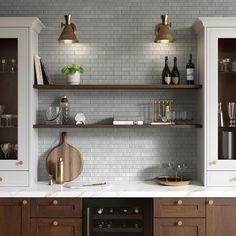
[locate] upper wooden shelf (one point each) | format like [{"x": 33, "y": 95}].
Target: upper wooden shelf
[
  {"x": 176, "y": 126},
  {"x": 119, "y": 86}
]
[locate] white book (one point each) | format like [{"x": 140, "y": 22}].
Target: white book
[
  {"x": 123, "y": 122},
  {"x": 38, "y": 70}
]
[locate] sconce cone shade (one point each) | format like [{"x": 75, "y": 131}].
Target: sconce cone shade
[
  {"x": 68, "y": 34},
  {"x": 163, "y": 34}
]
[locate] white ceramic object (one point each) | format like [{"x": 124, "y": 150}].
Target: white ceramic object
[
  {"x": 80, "y": 119},
  {"x": 73, "y": 78}
]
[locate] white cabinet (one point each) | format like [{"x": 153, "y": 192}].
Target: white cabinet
[
  {"x": 18, "y": 45},
  {"x": 217, "y": 72}
]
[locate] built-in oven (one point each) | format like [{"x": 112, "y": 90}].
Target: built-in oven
[{"x": 117, "y": 216}]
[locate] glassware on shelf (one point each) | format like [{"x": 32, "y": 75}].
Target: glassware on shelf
[
  {"x": 231, "y": 113},
  {"x": 8, "y": 119},
  {"x": 3, "y": 65},
  {"x": 13, "y": 65},
  {"x": 8, "y": 150},
  {"x": 220, "y": 115},
  {"x": 52, "y": 115},
  {"x": 161, "y": 112}
]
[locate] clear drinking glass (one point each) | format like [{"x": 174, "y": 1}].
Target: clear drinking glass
[
  {"x": 53, "y": 114},
  {"x": 231, "y": 113}
]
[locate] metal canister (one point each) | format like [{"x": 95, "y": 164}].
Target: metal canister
[{"x": 60, "y": 171}]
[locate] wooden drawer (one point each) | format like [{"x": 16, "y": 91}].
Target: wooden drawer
[
  {"x": 56, "y": 207},
  {"x": 179, "y": 207},
  {"x": 179, "y": 227},
  {"x": 221, "y": 178},
  {"x": 58, "y": 227},
  {"x": 14, "y": 178}
]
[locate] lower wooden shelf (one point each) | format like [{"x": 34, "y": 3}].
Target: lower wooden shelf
[{"x": 98, "y": 126}]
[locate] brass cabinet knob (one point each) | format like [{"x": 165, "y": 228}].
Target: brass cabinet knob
[
  {"x": 55, "y": 202},
  {"x": 233, "y": 179},
  {"x": 55, "y": 223},
  {"x": 24, "y": 202},
  {"x": 1, "y": 179},
  {"x": 180, "y": 223},
  {"x": 180, "y": 202},
  {"x": 19, "y": 163},
  {"x": 210, "y": 202},
  {"x": 213, "y": 163}
]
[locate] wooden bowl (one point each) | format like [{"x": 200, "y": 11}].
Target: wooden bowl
[{"x": 172, "y": 180}]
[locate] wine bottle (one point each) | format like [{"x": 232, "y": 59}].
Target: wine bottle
[
  {"x": 175, "y": 77},
  {"x": 166, "y": 75},
  {"x": 190, "y": 71}
]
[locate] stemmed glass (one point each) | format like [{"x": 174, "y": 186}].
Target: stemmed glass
[{"x": 232, "y": 113}]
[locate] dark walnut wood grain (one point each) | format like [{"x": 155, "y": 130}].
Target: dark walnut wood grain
[
  {"x": 56, "y": 227},
  {"x": 179, "y": 227},
  {"x": 179, "y": 207},
  {"x": 118, "y": 86},
  {"x": 14, "y": 217},
  {"x": 61, "y": 207},
  {"x": 221, "y": 216}
]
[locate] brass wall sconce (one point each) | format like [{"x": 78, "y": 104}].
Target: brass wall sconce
[
  {"x": 162, "y": 30},
  {"x": 68, "y": 34}
]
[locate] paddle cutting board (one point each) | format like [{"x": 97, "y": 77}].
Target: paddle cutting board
[{"x": 73, "y": 162}]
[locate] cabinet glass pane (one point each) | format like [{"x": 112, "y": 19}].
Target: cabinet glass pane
[
  {"x": 8, "y": 98},
  {"x": 227, "y": 98}
]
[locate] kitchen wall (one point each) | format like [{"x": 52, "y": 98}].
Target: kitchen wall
[{"x": 116, "y": 46}]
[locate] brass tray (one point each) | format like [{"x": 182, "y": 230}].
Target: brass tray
[{"x": 172, "y": 180}]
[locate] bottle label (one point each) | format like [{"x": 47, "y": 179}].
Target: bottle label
[
  {"x": 190, "y": 74},
  {"x": 167, "y": 79},
  {"x": 175, "y": 80}
]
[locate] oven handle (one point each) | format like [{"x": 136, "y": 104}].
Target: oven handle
[{"x": 88, "y": 221}]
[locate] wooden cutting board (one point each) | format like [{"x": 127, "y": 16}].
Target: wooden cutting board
[{"x": 73, "y": 162}]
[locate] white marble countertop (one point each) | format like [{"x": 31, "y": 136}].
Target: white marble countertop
[{"x": 147, "y": 189}]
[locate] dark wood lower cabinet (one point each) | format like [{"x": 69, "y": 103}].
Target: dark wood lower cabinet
[
  {"x": 56, "y": 227},
  {"x": 14, "y": 217},
  {"x": 179, "y": 227},
  {"x": 221, "y": 217}
]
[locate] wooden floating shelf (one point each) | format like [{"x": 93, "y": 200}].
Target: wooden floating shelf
[
  {"x": 118, "y": 86},
  {"x": 118, "y": 230},
  {"x": 118, "y": 216},
  {"x": 96, "y": 126}
]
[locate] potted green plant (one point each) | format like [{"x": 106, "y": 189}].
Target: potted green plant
[{"x": 73, "y": 73}]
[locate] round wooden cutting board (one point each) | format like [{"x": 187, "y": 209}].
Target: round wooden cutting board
[{"x": 73, "y": 162}]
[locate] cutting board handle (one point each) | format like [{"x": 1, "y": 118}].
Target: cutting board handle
[{"x": 63, "y": 137}]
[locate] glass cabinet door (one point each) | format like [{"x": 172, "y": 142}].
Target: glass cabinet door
[
  {"x": 221, "y": 105},
  {"x": 13, "y": 100}
]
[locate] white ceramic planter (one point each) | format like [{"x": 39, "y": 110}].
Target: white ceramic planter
[{"x": 73, "y": 78}]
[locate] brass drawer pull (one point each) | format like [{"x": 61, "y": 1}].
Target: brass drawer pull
[
  {"x": 55, "y": 223},
  {"x": 1, "y": 179},
  {"x": 233, "y": 179},
  {"x": 180, "y": 223},
  {"x": 210, "y": 202},
  {"x": 180, "y": 202},
  {"x": 19, "y": 163},
  {"x": 55, "y": 202},
  {"x": 213, "y": 163},
  {"x": 24, "y": 202}
]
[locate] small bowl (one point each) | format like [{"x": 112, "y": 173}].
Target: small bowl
[{"x": 2, "y": 108}]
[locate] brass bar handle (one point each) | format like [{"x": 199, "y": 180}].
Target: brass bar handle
[
  {"x": 88, "y": 221},
  {"x": 19, "y": 163},
  {"x": 55, "y": 223},
  {"x": 24, "y": 202},
  {"x": 55, "y": 202},
  {"x": 180, "y": 223},
  {"x": 210, "y": 202},
  {"x": 180, "y": 202}
]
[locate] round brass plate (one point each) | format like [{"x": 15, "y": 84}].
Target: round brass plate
[{"x": 172, "y": 180}]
